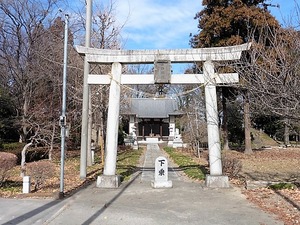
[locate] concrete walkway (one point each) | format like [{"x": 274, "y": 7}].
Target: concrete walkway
[{"x": 136, "y": 202}]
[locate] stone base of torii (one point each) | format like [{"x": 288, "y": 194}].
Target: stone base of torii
[{"x": 209, "y": 78}]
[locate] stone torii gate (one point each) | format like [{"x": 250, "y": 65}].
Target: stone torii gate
[{"x": 209, "y": 78}]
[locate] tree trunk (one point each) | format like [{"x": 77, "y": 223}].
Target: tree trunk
[
  {"x": 247, "y": 121},
  {"x": 23, "y": 170},
  {"x": 52, "y": 141},
  {"x": 101, "y": 140},
  {"x": 24, "y": 131},
  {"x": 225, "y": 120},
  {"x": 286, "y": 132}
]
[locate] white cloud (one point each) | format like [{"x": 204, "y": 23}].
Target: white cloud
[
  {"x": 153, "y": 24},
  {"x": 159, "y": 24}
]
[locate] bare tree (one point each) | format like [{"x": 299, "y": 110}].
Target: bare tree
[
  {"x": 105, "y": 35},
  {"x": 31, "y": 56},
  {"x": 192, "y": 124},
  {"x": 23, "y": 51},
  {"x": 271, "y": 75}
]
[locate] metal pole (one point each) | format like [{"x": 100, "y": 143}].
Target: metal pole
[
  {"x": 63, "y": 111},
  {"x": 85, "y": 97}
]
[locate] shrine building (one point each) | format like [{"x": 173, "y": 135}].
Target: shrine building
[{"x": 153, "y": 118}]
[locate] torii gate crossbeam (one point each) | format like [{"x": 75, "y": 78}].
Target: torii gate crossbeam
[
  {"x": 209, "y": 78},
  {"x": 229, "y": 53}
]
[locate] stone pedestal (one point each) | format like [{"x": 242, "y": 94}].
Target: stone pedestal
[
  {"x": 162, "y": 184},
  {"x": 217, "y": 181},
  {"x": 135, "y": 145},
  {"x": 177, "y": 142},
  {"x": 170, "y": 143},
  {"x": 152, "y": 140},
  {"x": 108, "y": 181}
]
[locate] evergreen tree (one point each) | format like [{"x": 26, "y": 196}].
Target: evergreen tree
[
  {"x": 232, "y": 22},
  {"x": 8, "y": 128}
]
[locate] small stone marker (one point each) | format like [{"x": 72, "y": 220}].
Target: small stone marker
[
  {"x": 26, "y": 184},
  {"x": 161, "y": 174}
]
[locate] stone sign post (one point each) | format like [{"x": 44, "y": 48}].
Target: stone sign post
[
  {"x": 161, "y": 174},
  {"x": 26, "y": 184}
]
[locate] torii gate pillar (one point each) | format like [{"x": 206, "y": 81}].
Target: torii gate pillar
[
  {"x": 109, "y": 178},
  {"x": 215, "y": 178}
]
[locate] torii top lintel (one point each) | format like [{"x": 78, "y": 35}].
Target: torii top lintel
[{"x": 94, "y": 55}]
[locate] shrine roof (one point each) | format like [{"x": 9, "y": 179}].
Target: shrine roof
[{"x": 153, "y": 107}]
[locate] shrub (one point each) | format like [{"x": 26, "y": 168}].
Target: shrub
[
  {"x": 7, "y": 162},
  {"x": 231, "y": 166},
  {"x": 14, "y": 146},
  {"x": 281, "y": 186},
  {"x": 40, "y": 171},
  {"x": 32, "y": 154}
]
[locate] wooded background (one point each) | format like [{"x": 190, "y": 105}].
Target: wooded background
[{"x": 31, "y": 68}]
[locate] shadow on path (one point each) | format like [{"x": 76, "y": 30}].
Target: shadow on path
[
  {"x": 32, "y": 213},
  {"x": 101, "y": 210},
  {"x": 49, "y": 205}
]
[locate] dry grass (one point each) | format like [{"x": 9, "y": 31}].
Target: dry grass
[
  {"x": 273, "y": 165},
  {"x": 51, "y": 186}
]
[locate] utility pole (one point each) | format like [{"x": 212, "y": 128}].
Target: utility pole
[
  {"x": 85, "y": 97},
  {"x": 62, "y": 119}
]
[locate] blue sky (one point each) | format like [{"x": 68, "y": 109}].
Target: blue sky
[
  {"x": 166, "y": 24},
  {"x": 288, "y": 12},
  {"x": 157, "y": 24}
]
